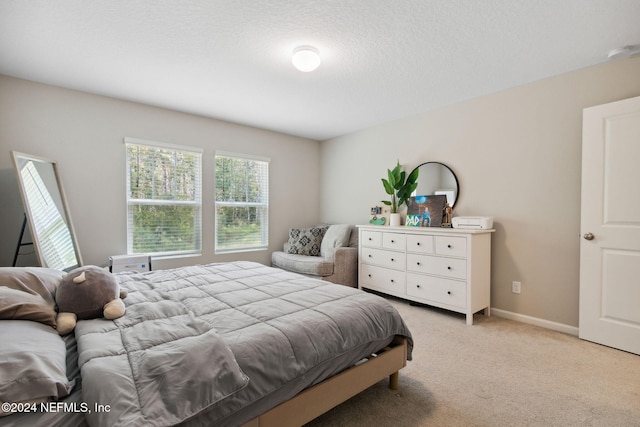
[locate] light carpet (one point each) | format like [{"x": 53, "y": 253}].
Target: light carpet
[{"x": 497, "y": 372}]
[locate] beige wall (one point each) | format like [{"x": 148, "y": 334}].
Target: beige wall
[
  {"x": 517, "y": 155},
  {"x": 84, "y": 133}
]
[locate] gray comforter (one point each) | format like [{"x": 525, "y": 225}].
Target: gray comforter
[{"x": 213, "y": 340}]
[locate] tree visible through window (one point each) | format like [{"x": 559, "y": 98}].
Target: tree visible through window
[
  {"x": 242, "y": 203},
  {"x": 164, "y": 201}
]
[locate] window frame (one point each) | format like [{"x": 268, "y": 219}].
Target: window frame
[
  {"x": 265, "y": 220},
  {"x": 197, "y": 250}
]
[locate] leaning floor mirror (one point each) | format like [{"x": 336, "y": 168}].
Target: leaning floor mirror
[{"x": 46, "y": 212}]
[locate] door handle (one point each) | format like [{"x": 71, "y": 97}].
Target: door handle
[{"x": 588, "y": 236}]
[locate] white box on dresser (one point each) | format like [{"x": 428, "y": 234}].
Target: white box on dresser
[{"x": 442, "y": 267}]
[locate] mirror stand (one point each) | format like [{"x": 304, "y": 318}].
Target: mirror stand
[{"x": 20, "y": 244}]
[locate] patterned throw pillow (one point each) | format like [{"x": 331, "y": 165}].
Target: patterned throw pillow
[{"x": 306, "y": 241}]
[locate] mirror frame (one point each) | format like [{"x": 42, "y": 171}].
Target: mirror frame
[
  {"x": 455, "y": 178},
  {"x": 18, "y": 160}
]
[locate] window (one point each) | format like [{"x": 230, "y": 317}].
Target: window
[
  {"x": 164, "y": 201},
  {"x": 242, "y": 203}
]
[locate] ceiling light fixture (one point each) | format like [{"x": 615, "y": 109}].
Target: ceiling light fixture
[
  {"x": 305, "y": 58},
  {"x": 624, "y": 52}
]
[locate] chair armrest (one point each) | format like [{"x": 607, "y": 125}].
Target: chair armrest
[{"x": 345, "y": 267}]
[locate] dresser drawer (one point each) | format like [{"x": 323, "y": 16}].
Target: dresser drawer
[
  {"x": 444, "y": 291},
  {"x": 420, "y": 243},
  {"x": 451, "y": 246},
  {"x": 383, "y": 279},
  {"x": 384, "y": 258},
  {"x": 394, "y": 241},
  {"x": 441, "y": 266},
  {"x": 372, "y": 238},
  {"x": 446, "y": 268}
]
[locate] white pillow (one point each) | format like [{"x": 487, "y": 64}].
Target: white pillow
[
  {"x": 337, "y": 236},
  {"x": 32, "y": 362}
]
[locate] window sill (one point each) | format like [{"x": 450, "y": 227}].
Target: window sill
[
  {"x": 238, "y": 250},
  {"x": 172, "y": 256}
]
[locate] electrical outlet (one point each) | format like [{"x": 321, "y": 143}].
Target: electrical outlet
[{"x": 516, "y": 287}]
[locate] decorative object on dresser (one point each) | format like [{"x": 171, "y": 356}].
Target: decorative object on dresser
[
  {"x": 447, "y": 216},
  {"x": 425, "y": 211},
  {"x": 399, "y": 189},
  {"x": 437, "y": 178},
  {"x": 379, "y": 215},
  {"x": 442, "y": 267},
  {"x": 474, "y": 222}
]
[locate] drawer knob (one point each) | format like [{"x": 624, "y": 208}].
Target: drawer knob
[
  {"x": 370, "y": 256},
  {"x": 417, "y": 286},
  {"x": 418, "y": 263},
  {"x": 369, "y": 275},
  {"x": 449, "y": 246},
  {"x": 449, "y": 268},
  {"x": 448, "y": 292},
  {"x": 370, "y": 239},
  {"x": 393, "y": 281},
  {"x": 392, "y": 260},
  {"x": 393, "y": 241},
  {"x": 418, "y": 243}
]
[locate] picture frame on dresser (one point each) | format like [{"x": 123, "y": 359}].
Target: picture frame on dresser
[
  {"x": 379, "y": 215},
  {"x": 441, "y": 267},
  {"x": 425, "y": 211}
]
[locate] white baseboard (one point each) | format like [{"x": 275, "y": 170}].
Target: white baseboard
[{"x": 560, "y": 327}]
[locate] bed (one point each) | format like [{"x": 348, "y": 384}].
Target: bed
[{"x": 225, "y": 344}]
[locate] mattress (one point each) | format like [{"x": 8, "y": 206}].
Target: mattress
[{"x": 218, "y": 345}]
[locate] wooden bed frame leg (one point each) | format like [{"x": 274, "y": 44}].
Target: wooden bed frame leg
[{"x": 393, "y": 380}]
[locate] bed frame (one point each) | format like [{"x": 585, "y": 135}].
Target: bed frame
[{"x": 316, "y": 400}]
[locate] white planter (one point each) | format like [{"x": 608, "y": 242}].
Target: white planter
[{"x": 394, "y": 220}]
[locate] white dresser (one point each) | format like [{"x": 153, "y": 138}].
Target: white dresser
[{"x": 444, "y": 267}]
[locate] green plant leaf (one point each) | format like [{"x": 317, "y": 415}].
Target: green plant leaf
[
  {"x": 397, "y": 176},
  {"x": 391, "y": 178},
  {"x": 401, "y": 182},
  {"x": 399, "y": 186},
  {"x": 387, "y": 186},
  {"x": 413, "y": 177}
]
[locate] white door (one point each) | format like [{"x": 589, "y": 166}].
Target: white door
[{"x": 610, "y": 225}]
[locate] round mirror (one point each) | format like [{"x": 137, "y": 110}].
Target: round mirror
[{"x": 437, "y": 178}]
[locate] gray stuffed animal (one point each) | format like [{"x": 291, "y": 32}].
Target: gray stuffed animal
[{"x": 87, "y": 292}]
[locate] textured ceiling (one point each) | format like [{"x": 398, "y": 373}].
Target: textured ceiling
[{"x": 381, "y": 59}]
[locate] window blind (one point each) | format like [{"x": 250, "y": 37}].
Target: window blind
[
  {"x": 164, "y": 198},
  {"x": 241, "y": 203}
]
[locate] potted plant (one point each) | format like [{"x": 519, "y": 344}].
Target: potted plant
[{"x": 399, "y": 189}]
